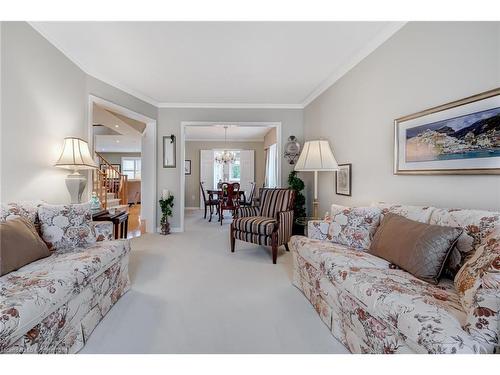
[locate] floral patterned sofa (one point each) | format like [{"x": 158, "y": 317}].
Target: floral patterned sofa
[
  {"x": 373, "y": 307},
  {"x": 52, "y": 305}
]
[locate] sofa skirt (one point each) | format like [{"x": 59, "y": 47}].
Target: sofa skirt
[{"x": 67, "y": 329}]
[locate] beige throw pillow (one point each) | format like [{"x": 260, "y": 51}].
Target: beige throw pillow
[
  {"x": 20, "y": 245},
  {"x": 419, "y": 248}
]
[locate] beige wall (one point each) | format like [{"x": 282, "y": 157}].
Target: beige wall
[
  {"x": 270, "y": 138},
  {"x": 421, "y": 66},
  {"x": 44, "y": 99},
  {"x": 192, "y": 185},
  {"x": 169, "y": 122}
]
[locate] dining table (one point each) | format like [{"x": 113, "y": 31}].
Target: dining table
[{"x": 220, "y": 194}]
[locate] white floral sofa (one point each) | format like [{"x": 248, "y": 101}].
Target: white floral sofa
[
  {"x": 52, "y": 305},
  {"x": 373, "y": 307}
]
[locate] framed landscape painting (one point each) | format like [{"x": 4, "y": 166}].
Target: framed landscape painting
[{"x": 462, "y": 137}]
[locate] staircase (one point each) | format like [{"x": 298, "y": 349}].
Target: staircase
[{"x": 110, "y": 185}]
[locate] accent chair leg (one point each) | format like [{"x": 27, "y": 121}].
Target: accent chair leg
[
  {"x": 286, "y": 246},
  {"x": 274, "y": 246},
  {"x": 233, "y": 240}
]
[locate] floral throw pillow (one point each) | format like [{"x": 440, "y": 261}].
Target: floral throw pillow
[
  {"x": 353, "y": 226},
  {"x": 25, "y": 209},
  {"x": 66, "y": 226}
]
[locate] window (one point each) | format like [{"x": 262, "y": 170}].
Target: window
[
  {"x": 132, "y": 168},
  {"x": 234, "y": 171},
  {"x": 272, "y": 166},
  {"x": 227, "y": 172}
]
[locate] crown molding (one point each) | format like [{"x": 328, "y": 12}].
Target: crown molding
[
  {"x": 89, "y": 72},
  {"x": 378, "y": 40},
  {"x": 231, "y": 105},
  {"x": 229, "y": 140}
]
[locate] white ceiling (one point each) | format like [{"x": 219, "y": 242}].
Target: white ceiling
[
  {"x": 117, "y": 143},
  {"x": 234, "y": 133},
  {"x": 261, "y": 64}
]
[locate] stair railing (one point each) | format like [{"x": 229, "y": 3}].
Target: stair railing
[{"x": 107, "y": 179}]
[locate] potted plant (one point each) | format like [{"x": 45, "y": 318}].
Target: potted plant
[
  {"x": 299, "y": 209},
  {"x": 166, "y": 205}
]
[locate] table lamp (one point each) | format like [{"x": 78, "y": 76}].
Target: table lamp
[
  {"x": 76, "y": 156},
  {"x": 316, "y": 156}
]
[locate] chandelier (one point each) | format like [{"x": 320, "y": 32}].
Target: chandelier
[{"x": 227, "y": 156}]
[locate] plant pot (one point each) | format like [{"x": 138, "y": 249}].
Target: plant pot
[{"x": 165, "y": 228}]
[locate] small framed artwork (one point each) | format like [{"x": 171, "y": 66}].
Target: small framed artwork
[
  {"x": 461, "y": 137},
  {"x": 169, "y": 151},
  {"x": 187, "y": 167},
  {"x": 343, "y": 180}
]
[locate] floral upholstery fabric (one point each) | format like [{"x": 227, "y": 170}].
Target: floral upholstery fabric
[
  {"x": 36, "y": 299},
  {"x": 103, "y": 230},
  {"x": 477, "y": 225},
  {"x": 66, "y": 226},
  {"x": 416, "y": 213},
  {"x": 27, "y": 210},
  {"x": 353, "y": 227},
  {"x": 256, "y": 224},
  {"x": 371, "y": 308},
  {"x": 317, "y": 229},
  {"x": 478, "y": 285}
]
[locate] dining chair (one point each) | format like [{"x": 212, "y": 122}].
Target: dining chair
[
  {"x": 248, "y": 202},
  {"x": 270, "y": 224},
  {"x": 230, "y": 199},
  {"x": 210, "y": 203}
]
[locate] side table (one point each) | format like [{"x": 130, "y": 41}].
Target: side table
[{"x": 119, "y": 220}]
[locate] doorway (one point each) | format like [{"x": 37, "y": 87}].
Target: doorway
[
  {"x": 202, "y": 142},
  {"x": 126, "y": 140}
]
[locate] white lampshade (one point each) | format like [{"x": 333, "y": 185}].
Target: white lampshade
[
  {"x": 316, "y": 156},
  {"x": 75, "y": 155}
]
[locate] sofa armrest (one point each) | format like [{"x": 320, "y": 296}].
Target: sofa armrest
[
  {"x": 246, "y": 211},
  {"x": 317, "y": 229},
  {"x": 103, "y": 230},
  {"x": 285, "y": 226}
]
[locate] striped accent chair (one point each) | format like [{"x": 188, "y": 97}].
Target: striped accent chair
[{"x": 270, "y": 224}]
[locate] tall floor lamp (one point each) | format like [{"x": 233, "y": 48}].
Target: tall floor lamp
[
  {"x": 75, "y": 156},
  {"x": 316, "y": 156}
]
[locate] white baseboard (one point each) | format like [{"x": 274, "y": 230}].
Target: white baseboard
[
  {"x": 193, "y": 208},
  {"x": 172, "y": 230}
]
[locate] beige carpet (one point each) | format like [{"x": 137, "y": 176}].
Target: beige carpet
[{"x": 191, "y": 295}]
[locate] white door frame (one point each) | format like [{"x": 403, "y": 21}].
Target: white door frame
[
  {"x": 149, "y": 167},
  {"x": 184, "y": 124}
]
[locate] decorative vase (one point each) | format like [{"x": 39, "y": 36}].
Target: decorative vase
[{"x": 165, "y": 227}]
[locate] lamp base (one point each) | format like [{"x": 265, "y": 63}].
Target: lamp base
[
  {"x": 76, "y": 183},
  {"x": 315, "y": 208}
]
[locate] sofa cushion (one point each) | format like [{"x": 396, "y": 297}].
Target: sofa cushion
[
  {"x": 66, "y": 226},
  {"x": 353, "y": 226},
  {"x": 417, "y": 213},
  {"x": 255, "y": 224},
  {"x": 25, "y": 209},
  {"x": 31, "y": 293},
  {"x": 419, "y": 248},
  {"x": 429, "y": 316},
  {"x": 477, "y": 226},
  {"x": 20, "y": 244},
  {"x": 332, "y": 255}
]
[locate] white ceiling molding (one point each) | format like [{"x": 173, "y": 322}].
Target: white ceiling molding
[
  {"x": 376, "y": 42},
  {"x": 229, "y": 140},
  {"x": 230, "y": 105},
  {"x": 86, "y": 70}
]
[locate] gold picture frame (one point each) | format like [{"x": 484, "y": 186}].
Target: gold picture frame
[{"x": 484, "y": 99}]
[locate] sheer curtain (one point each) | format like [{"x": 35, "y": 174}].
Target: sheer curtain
[{"x": 272, "y": 166}]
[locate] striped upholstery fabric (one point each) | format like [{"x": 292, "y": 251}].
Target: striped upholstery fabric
[
  {"x": 285, "y": 227},
  {"x": 273, "y": 201},
  {"x": 246, "y": 211},
  {"x": 258, "y": 239},
  {"x": 255, "y": 224}
]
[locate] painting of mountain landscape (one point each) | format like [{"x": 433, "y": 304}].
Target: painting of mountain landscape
[{"x": 475, "y": 135}]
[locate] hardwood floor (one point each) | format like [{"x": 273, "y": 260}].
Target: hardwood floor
[{"x": 136, "y": 227}]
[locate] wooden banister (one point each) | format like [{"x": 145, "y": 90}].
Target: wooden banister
[{"x": 109, "y": 180}]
